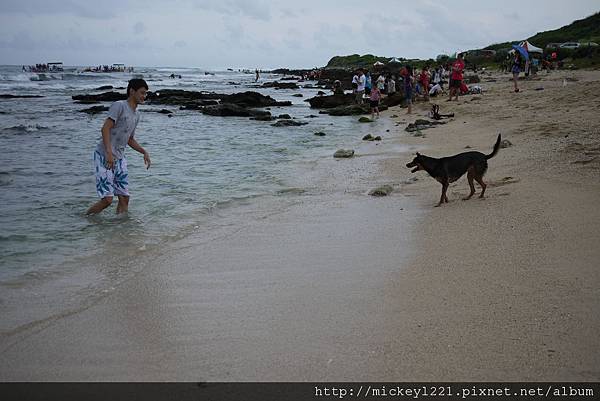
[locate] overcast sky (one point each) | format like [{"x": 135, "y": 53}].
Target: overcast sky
[{"x": 262, "y": 33}]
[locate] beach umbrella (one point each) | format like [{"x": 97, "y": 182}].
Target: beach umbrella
[
  {"x": 521, "y": 50},
  {"x": 377, "y": 63}
]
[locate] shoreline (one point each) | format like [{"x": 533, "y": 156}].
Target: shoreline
[{"x": 343, "y": 286}]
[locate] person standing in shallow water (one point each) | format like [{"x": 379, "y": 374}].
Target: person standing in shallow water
[{"x": 109, "y": 156}]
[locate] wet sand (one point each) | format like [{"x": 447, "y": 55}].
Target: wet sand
[{"x": 343, "y": 286}]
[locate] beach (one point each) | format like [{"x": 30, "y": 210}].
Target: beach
[{"x": 336, "y": 285}]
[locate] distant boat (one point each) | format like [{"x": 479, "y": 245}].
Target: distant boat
[
  {"x": 116, "y": 67},
  {"x": 45, "y": 68}
]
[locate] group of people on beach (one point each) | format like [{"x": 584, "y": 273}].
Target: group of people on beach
[{"x": 425, "y": 83}]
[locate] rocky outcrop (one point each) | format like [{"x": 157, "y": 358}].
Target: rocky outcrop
[
  {"x": 421, "y": 124},
  {"x": 190, "y": 99},
  {"x": 288, "y": 123},
  {"x": 102, "y": 97},
  {"x": 280, "y": 85},
  {"x": 351, "y": 110},
  {"x": 329, "y": 102},
  {"x": 232, "y": 110},
  {"x": 19, "y": 96},
  {"x": 252, "y": 99}
]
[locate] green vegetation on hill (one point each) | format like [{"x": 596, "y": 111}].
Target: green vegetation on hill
[
  {"x": 583, "y": 30},
  {"x": 355, "y": 61}
]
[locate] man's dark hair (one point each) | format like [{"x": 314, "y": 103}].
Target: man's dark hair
[{"x": 135, "y": 84}]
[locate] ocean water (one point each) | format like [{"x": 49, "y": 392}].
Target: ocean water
[{"x": 205, "y": 169}]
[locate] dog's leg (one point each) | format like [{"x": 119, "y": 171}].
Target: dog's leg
[
  {"x": 483, "y": 185},
  {"x": 470, "y": 176},
  {"x": 443, "y": 198}
]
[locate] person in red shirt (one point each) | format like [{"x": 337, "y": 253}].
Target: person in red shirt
[
  {"x": 457, "y": 76},
  {"x": 424, "y": 79}
]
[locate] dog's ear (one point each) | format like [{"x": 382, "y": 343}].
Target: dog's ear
[{"x": 418, "y": 154}]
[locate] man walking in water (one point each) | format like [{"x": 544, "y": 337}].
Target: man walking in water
[{"x": 109, "y": 156}]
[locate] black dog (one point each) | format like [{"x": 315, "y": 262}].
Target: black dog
[{"x": 450, "y": 169}]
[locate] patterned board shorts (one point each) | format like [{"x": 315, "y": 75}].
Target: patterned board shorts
[{"x": 111, "y": 182}]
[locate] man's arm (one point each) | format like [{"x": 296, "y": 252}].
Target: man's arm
[
  {"x": 136, "y": 146},
  {"x": 108, "y": 125}
]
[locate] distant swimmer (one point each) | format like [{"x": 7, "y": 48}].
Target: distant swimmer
[
  {"x": 109, "y": 156},
  {"x": 257, "y": 76}
]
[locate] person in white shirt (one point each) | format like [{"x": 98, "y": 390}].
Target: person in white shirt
[{"x": 360, "y": 89}]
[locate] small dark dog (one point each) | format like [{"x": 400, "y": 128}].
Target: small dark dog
[{"x": 450, "y": 169}]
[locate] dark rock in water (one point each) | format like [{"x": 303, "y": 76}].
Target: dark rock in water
[
  {"x": 165, "y": 111},
  {"x": 505, "y": 143},
  {"x": 280, "y": 85},
  {"x": 284, "y": 117},
  {"x": 19, "y": 96},
  {"x": 329, "y": 102},
  {"x": 232, "y": 110},
  {"x": 311, "y": 116},
  {"x": 370, "y": 137},
  {"x": 365, "y": 120},
  {"x": 352, "y": 110},
  {"x": 320, "y": 93},
  {"x": 252, "y": 99},
  {"x": 95, "y": 110},
  {"x": 104, "y": 88},
  {"x": 319, "y": 133},
  {"x": 182, "y": 97},
  {"x": 288, "y": 123},
  {"x": 384, "y": 190},
  {"x": 263, "y": 118},
  {"x": 298, "y": 95},
  {"x": 87, "y": 101},
  {"x": 343, "y": 153},
  {"x": 102, "y": 97}
]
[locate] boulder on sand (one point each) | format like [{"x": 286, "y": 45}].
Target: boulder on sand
[
  {"x": 343, "y": 153},
  {"x": 329, "y": 102}
]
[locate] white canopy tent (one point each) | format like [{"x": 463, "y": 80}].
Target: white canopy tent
[{"x": 530, "y": 48}]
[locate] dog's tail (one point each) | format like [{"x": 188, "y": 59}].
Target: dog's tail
[{"x": 496, "y": 147}]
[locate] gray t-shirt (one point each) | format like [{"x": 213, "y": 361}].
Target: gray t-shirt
[{"x": 126, "y": 120}]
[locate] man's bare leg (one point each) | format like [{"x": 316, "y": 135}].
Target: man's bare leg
[
  {"x": 123, "y": 205},
  {"x": 100, "y": 205}
]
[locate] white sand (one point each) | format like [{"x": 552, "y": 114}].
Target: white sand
[{"x": 505, "y": 288}]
